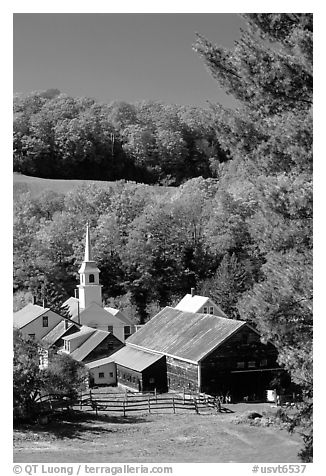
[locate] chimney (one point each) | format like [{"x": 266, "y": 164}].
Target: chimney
[
  {"x": 44, "y": 302},
  {"x": 78, "y": 313},
  {"x": 192, "y": 290},
  {"x": 33, "y": 299}
]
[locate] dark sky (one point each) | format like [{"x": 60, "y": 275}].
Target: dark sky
[{"x": 112, "y": 56}]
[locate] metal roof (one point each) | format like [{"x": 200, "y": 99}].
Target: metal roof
[
  {"x": 99, "y": 362},
  {"x": 136, "y": 359},
  {"x": 187, "y": 335},
  {"x": 90, "y": 344},
  {"x": 28, "y": 314}
]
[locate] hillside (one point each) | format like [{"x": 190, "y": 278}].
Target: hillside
[{"x": 37, "y": 185}]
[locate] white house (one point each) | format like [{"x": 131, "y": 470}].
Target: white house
[
  {"x": 103, "y": 372},
  {"x": 87, "y": 308},
  {"x": 36, "y": 321},
  {"x": 199, "y": 304}
]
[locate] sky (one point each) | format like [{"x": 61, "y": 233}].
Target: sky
[{"x": 120, "y": 56}]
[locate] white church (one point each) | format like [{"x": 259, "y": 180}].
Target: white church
[{"x": 86, "y": 308}]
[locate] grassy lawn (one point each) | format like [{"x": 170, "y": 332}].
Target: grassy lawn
[{"x": 155, "y": 438}]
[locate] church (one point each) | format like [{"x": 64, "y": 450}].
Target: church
[{"x": 86, "y": 307}]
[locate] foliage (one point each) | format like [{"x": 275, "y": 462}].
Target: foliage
[
  {"x": 63, "y": 376},
  {"x": 269, "y": 138}
]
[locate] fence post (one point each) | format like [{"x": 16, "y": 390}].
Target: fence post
[
  {"x": 196, "y": 406},
  {"x": 149, "y": 404},
  {"x": 155, "y": 393},
  {"x": 173, "y": 404},
  {"x": 184, "y": 395},
  {"x": 96, "y": 409},
  {"x": 124, "y": 408}
]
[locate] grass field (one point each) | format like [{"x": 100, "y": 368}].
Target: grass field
[
  {"x": 155, "y": 438},
  {"x": 38, "y": 185}
]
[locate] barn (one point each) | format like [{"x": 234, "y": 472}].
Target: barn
[
  {"x": 207, "y": 353},
  {"x": 140, "y": 369}
]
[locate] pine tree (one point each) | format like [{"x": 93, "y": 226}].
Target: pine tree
[{"x": 269, "y": 138}]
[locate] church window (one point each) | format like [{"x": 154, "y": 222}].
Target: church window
[
  {"x": 91, "y": 278},
  {"x": 45, "y": 321}
]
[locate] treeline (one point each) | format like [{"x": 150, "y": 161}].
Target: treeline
[{"x": 57, "y": 136}]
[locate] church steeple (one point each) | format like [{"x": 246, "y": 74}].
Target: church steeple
[
  {"x": 88, "y": 245},
  {"x": 90, "y": 289}
]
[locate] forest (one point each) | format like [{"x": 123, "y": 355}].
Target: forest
[{"x": 217, "y": 199}]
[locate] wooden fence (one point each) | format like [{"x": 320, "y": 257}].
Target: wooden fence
[{"x": 126, "y": 403}]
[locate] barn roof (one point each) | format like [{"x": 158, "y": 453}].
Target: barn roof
[
  {"x": 89, "y": 345},
  {"x": 136, "y": 359},
  {"x": 187, "y": 335},
  {"x": 28, "y": 314}
]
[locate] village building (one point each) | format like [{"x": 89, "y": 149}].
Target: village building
[
  {"x": 89, "y": 344},
  {"x": 35, "y": 321},
  {"x": 200, "y": 304},
  {"x": 87, "y": 308},
  {"x": 200, "y": 353},
  {"x": 102, "y": 372}
]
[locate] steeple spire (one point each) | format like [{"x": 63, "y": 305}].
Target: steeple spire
[
  {"x": 90, "y": 289},
  {"x": 88, "y": 255}
]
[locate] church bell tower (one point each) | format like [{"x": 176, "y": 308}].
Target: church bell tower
[{"x": 90, "y": 290}]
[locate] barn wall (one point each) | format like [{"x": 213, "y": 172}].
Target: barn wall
[
  {"x": 181, "y": 374},
  {"x": 151, "y": 378},
  {"x": 104, "y": 374},
  {"x": 239, "y": 366}
]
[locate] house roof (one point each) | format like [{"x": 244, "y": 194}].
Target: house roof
[
  {"x": 99, "y": 362},
  {"x": 57, "y": 332},
  {"x": 84, "y": 330},
  {"x": 191, "y": 303},
  {"x": 90, "y": 344},
  {"x": 187, "y": 335},
  {"x": 136, "y": 359},
  {"x": 28, "y": 314}
]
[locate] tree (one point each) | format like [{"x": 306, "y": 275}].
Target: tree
[
  {"x": 269, "y": 138},
  {"x": 227, "y": 285},
  {"x": 64, "y": 376}
]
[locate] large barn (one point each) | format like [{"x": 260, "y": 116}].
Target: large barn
[{"x": 202, "y": 352}]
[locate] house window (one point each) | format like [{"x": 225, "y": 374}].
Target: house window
[
  {"x": 245, "y": 338},
  {"x": 211, "y": 310},
  {"x": 240, "y": 365},
  {"x": 263, "y": 363},
  {"x": 31, "y": 336},
  {"x": 127, "y": 330},
  {"x": 111, "y": 374},
  {"x": 91, "y": 278},
  {"x": 205, "y": 310},
  {"x": 110, "y": 329},
  {"x": 67, "y": 346},
  {"x": 152, "y": 380},
  {"x": 45, "y": 321},
  {"x": 101, "y": 375},
  {"x": 251, "y": 364}
]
